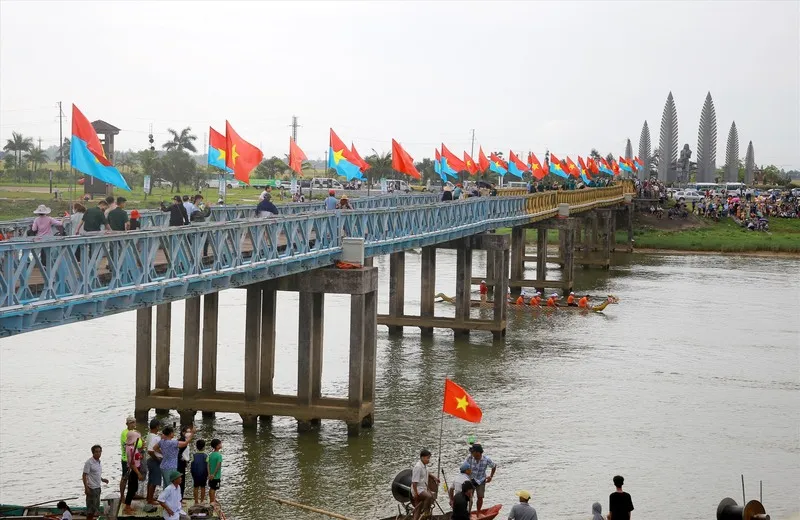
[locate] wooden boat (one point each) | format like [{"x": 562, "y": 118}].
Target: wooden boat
[
  {"x": 484, "y": 514},
  {"x": 9, "y": 512},
  {"x": 114, "y": 511},
  {"x": 610, "y": 300}
]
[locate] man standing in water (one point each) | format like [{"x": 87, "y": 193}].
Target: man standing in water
[
  {"x": 620, "y": 504},
  {"x": 478, "y": 464},
  {"x": 93, "y": 482}
]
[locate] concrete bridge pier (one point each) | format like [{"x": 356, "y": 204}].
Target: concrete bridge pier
[
  {"x": 497, "y": 247},
  {"x": 397, "y": 286},
  {"x": 258, "y": 400},
  {"x": 566, "y": 227}
]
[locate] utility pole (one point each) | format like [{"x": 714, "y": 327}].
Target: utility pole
[
  {"x": 472, "y": 150},
  {"x": 294, "y": 128},
  {"x": 60, "y": 137}
]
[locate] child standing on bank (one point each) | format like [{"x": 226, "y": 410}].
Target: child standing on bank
[
  {"x": 199, "y": 471},
  {"x": 214, "y": 470}
]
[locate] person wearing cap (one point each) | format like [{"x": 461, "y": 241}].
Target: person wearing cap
[
  {"x": 177, "y": 212},
  {"x": 522, "y": 510},
  {"x": 134, "y": 223},
  {"x": 266, "y": 208},
  {"x": 463, "y": 476},
  {"x": 457, "y": 192},
  {"x": 571, "y": 300},
  {"x": 478, "y": 463},
  {"x": 330, "y": 200},
  {"x": 462, "y": 501},
  {"x": 130, "y": 425},
  {"x": 170, "y": 498},
  {"x": 552, "y": 301},
  {"x": 536, "y": 300},
  {"x": 484, "y": 290}
]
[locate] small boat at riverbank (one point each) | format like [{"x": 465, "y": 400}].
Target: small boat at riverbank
[
  {"x": 113, "y": 510},
  {"x": 610, "y": 300}
]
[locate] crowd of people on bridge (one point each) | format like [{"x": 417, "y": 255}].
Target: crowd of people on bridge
[{"x": 154, "y": 470}]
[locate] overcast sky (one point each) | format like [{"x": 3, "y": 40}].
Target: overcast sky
[{"x": 567, "y": 76}]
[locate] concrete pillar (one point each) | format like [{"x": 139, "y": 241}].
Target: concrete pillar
[
  {"x": 608, "y": 217},
  {"x": 370, "y": 350},
  {"x": 594, "y": 239},
  {"x": 144, "y": 345},
  {"x": 191, "y": 346},
  {"x": 317, "y": 344},
  {"x": 463, "y": 282},
  {"x": 428, "y": 286},
  {"x": 541, "y": 256},
  {"x": 568, "y": 274},
  {"x": 210, "y": 340},
  {"x": 613, "y": 230},
  {"x": 269, "y": 302},
  {"x": 491, "y": 270},
  {"x": 518, "y": 257},
  {"x": 355, "y": 392},
  {"x": 501, "y": 288},
  {"x": 252, "y": 343},
  {"x": 561, "y": 246},
  {"x": 369, "y": 262},
  {"x": 397, "y": 284},
  {"x": 305, "y": 350},
  {"x": 163, "y": 334}
]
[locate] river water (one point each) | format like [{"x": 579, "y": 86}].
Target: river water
[{"x": 691, "y": 381}]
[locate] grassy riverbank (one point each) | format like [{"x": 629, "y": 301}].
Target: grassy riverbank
[{"x": 698, "y": 234}]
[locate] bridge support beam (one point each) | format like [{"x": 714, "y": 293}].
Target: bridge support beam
[
  {"x": 163, "y": 339},
  {"x": 397, "y": 285},
  {"x": 210, "y": 340},
  {"x": 517, "y": 256},
  {"x": 258, "y": 400},
  {"x": 567, "y": 228},
  {"x": 497, "y": 247}
]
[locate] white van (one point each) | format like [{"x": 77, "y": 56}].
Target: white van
[
  {"x": 517, "y": 184},
  {"x": 397, "y": 185},
  {"x": 735, "y": 188},
  {"x": 326, "y": 182}
]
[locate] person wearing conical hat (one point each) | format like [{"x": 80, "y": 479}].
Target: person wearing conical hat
[{"x": 43, "y": 223}]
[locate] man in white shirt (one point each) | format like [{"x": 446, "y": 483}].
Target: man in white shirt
[
  {"x": 190, "y": 207},
  {"x": 153, "y": 461},
  {"x": 423, "y": 497},
  {"x": 92, "y": 482},
  {"x": 458, "y": 481},
  {"x": 264, "y": 193},
  {"x": 170, "y": 497}
]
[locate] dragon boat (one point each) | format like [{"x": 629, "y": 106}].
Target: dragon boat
[{"x": 609, "y": 300}]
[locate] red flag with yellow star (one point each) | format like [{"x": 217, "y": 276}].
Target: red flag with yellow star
[
  {"x": 471, "y": 167},
  {"x": 296, "y": 157},
  {"x": 458, "y": 403},
  {"x": 240, "y": 156}
]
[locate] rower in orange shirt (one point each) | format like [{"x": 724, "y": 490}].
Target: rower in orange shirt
[
  {"x": 571, "y": 300},
  {"x": 583, "y": 303},
  {"x": 520, "y": 300},
  {"x": 536, "y": 300},
  {"x": 551, "y": 301}
]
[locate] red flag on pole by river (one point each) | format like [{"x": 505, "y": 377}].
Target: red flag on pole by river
[{"x": 458, "y": 403}]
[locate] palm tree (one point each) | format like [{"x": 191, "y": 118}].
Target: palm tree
[
  {"x": 18, "y": 144},
  {"x": 36, "y": 157},
  {"x": 126, "y": 159},
  {"x": 381, "y": 165},
  {"x": 181, "y": 141},
  {"x": 595, "y": 155}
]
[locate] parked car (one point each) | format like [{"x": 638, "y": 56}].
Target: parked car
[{"x": 687, "y": 195}]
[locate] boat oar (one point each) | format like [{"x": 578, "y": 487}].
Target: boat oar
[
  {"x": 283, "y": 501},
  {"x": 5, "y": 508}
]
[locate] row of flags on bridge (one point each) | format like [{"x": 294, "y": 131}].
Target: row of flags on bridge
[{"x": 232, "y": 153}]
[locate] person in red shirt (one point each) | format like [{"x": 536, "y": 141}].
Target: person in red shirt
[
  {"x": 552, "y": 300},
  {"x": 536, "y": 300},
  {"x": 583, "y": 303},
  {"x": 571, "y": 300},
  {"x": 484, "y": 291},
  {"x": 520, "y": 300}
]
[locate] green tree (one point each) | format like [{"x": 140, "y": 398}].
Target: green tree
[
  {"x": 595, "y": 155},
  {"x": 36, "y": 157},
  {"x": 63, "y": 151},
  {"x": 18, "y": 144},
  {"x": 771, "y": 176},
  {"x": 426, "y": 170},
  {"x": 125, "y": 160},
  {"x": 270, "y": 168},
  {"x": 181, "y": 141},
  {"x": 178, "y": 168},
  {"x": 381, "y": 166}
]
